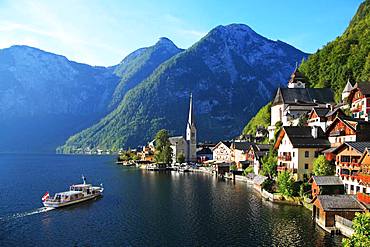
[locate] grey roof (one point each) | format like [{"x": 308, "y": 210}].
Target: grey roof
[
  {"x": 359, "y": 146},
  {"x": 301, "y": 136},
  {"x": 364, "y": 87},
  {"x": 242, "y": 145},
  {"x": 321, "y": 111},
  {"x": 327, "y": 180},
  {"x": 227, "y": 143},
  {"x": 174, "y": 139},
  {"x": 307, "y": 95},
  {"x": 334, "y": 111},
  {"x": 339, "y": 203},
  {"x": 201, "y": 151},
  {"x": 262, "y": 147}
]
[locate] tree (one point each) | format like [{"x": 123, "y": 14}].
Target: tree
[
  {"x": 181, "y": 158},
  {"x": 248, "y": 170},
  {"x": 285, "y": 183},
  {"x": 163, "y": 150},
  {"x": 233, "y": 168},
  {"x": 269, "y": 164},
  {"x": 361, "y": 236},
  {"x": 322, "y": 167}
]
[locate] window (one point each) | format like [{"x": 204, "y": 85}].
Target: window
[
  {"x": 293, "y": 154},
  {"x": 352, "y": 187},
  {"x": 357, "y": 188},
  {"x": 306, "y": 154},
  {"x": 306, "y": 166},
  {"x": 316, "y": 154}
]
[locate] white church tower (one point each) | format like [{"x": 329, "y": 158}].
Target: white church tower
[{"x": 191, "y": 135}]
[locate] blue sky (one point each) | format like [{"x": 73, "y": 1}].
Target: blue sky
[{"x": 102, "y": 32}]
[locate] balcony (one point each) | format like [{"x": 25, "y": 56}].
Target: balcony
[
  {"x": 285, "y": 157},
  {"x": 349, "y": 177},
  {"x": 350, "y": 165},
  {"x": 337, "y": 133},
  {"x": 362, "y": 197},
  {"x": 364, "y": 178}
]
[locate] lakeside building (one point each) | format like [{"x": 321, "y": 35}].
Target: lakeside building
[
  {"x": 326, "y": 185},
  {"x": 222, "y": 151},
  {"x": 327, "y": 207},
  {"x": 255, "y": 154},
  {"x": 323, "y": 117},
  {"x": 179, "y": 147},
  {"x": 297, "y": 148},
  {"x": 292, "y": 103},
  {"x": 239, "y": 150},
  {"x": 348, "y": 165},
  {"x": 359, "y": 100}
]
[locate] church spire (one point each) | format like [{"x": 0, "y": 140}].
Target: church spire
[{"x": 191, "y": 116}]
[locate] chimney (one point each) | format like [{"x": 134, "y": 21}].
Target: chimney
[
  {"x": 315, "y": 132},
  {"x": 314, "y": 100}
]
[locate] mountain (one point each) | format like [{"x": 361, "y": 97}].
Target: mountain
[
  {"x": 44, "y": 98},
  {"x": 231, "y": 72},
  {"x": 140, "y": 64},
  {"x": 347, "y": 57}
]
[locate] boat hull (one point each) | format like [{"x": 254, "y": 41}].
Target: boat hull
[{"x": 52, "y": 204}]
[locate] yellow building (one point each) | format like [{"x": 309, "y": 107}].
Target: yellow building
[{"x": 297, "y": 148}]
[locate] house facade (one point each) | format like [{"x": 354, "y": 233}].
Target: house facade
[
  {"x": 179, "y": 147},
  {"x": 222, "y": 152},
  {"x": 255, "y": 154},
  {"x": 239, "y": 150},
  {"x": 297, "y": 148},
  {"x": 359, "y": 98}
]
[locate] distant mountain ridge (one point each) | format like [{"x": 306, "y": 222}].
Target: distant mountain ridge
[
  {"x": 140, "y": 64},
  {"x": 231, "y": 72}
]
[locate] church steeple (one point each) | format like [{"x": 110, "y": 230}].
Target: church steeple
[{"x": 191, "y": 134}]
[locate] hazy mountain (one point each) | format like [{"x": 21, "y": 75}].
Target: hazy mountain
[
  {"x": 44, "y": 98},
  {"x": 232, "y": 72}
]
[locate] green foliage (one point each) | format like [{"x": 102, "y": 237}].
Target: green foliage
[
  {"x": 347, "y": 57},
  {"x": 163, "y": 150},
  {"x": 180, "y": 158},
  {"x": 127, "y": 156},
  {"x": 262, "y": 118},
  {"x": 285, "y": 183},
  {"x": 248, "y": 170},
  {"x": 269, "y": 164},
  {"x": 302, "y": 120},
  {"x": 361, "y": 236},
  {"x": 322, "y": 167},
  {"x": 268, "y": 185},
  {"x": 233, "y": 168},
  {"x": 304, "y": 189}
]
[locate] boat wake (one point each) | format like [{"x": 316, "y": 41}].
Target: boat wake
[{"x": 24, "y": 214}]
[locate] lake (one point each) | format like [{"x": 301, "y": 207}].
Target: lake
[{"x": 141, "y": 208}]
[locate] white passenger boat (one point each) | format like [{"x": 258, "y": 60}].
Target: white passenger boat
[{"x": 77, "y": 193}]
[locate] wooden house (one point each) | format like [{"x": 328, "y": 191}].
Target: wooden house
[
  {"x": 222, "y": 151},
  {"x": 359, "y": 98},
  {"x": 326, "y": 185},
  {"x": 325, "y": 207}
]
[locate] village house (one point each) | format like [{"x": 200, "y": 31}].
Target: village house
[
  {"x": 222, "y": 151},
  {"x": 326, "y": 207},
  {"x": 326, "y": 185},
  {"x": 179, "y": 147},
  {"x": 323, "y": 117},
  {"x": 292, "y": 103},
  {"x": 255, "y": 154},
  {"x": 348, "y": 165},
  {"x": 297, "y": 148},
  {"x": 205, "y": 152},
  {"x": 364, "y": 177},
  {"x": 261, "y": 134},
  {"x": 239, "y": 150},
  {"x": 359, "y": 99},
  {"x": 347, "y": 129}
]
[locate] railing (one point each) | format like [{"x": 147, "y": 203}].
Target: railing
[
  {"x": 365, "y": 178},
  {"x": 363, "y": 197},
  {"x": 285, "y": 158},
  {"x": 337, "y": 133},
  {"x": 343, "y": 221},
  {"x": 349, "y": 164}
]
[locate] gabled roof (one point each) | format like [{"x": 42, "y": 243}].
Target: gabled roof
[
  {"x": 320, "y": 111},
  {"x": 335, "y": 111},
  {"x": 339, "y": 203},
  {"x": 306, "y": 95},
  {"x": 350, "y": 122},
  {"x": 226, "y": 143},
  {"x": 301, "y": 136},
  {"x": 204, "y": 150},
  {"x": 241, "y": 145},
  {"x": 327, "y": 180},
  {"x": 366, "y": 152},
  {"x": 358, "y": 146},
  {"x": 363, "y": 87}
]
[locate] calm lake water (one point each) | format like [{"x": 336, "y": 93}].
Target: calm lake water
[{"x": 141, "y": 208}]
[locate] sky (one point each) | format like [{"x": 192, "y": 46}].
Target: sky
[{"x": 103, "y": 32}]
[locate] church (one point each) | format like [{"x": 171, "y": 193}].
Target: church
[{"x": 186, "y": 146}]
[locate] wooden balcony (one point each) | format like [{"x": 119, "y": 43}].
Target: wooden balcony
[{"x": 285, "y": 157}]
